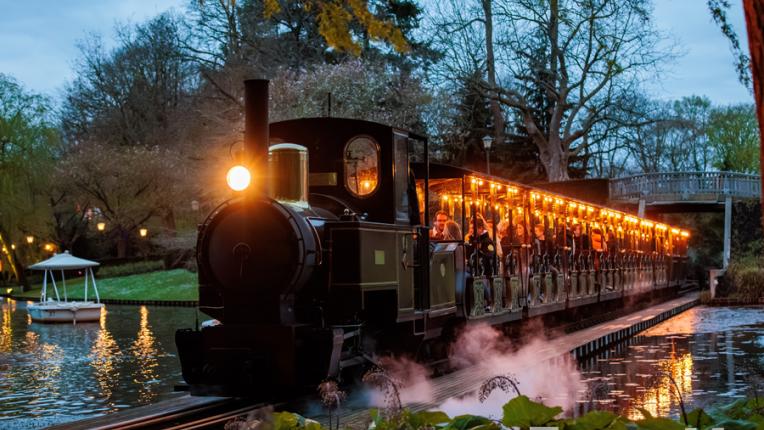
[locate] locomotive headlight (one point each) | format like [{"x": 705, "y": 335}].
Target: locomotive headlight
[{"x": 238, "y": 178}]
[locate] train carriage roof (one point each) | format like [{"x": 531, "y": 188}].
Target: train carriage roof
[{"x": 444, "y": 171}]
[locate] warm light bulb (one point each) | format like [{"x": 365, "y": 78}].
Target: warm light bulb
[
  {"x": 143, "y": 232},
  {"x": 101, "y": 226},
  {"x": 238, "y": 178},
  {"x": 30, "y": 239}
]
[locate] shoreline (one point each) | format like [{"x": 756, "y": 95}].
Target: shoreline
[{"x": 138, "y": 302}]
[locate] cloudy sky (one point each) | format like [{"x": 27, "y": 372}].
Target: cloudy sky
[{"x": 38, "y": 42}]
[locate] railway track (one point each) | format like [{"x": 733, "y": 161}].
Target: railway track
[{"x": 183, "y": 413}]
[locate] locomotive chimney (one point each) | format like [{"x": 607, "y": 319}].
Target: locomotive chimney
[{"x": 256, "y": 138}]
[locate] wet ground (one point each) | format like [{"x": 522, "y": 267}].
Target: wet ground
[
  {"x": 53, "y": 373},
  {"x": 709, "y": 355}
]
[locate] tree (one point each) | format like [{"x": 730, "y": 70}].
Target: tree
[
  {"x": 358, "y": 89},
  {"x": 29, "y": 144},
  {"x": 734, "y": 134},
  {"x": 124, "y": 185},
  {"x": 754, "y": 21},
  {"x": 596, "y": 50},
  {"x": 136, "y": 96}
]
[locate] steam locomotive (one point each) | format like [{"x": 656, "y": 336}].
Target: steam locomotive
[{"x": 327, "y": 260}]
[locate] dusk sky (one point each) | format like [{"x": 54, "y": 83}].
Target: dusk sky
[{"x": 38, "y": 42}]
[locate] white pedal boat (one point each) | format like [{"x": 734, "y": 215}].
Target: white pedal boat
[{"x": 55, "y": 310}]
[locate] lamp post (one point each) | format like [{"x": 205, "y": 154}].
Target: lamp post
[{"x": 487, "y": 141}]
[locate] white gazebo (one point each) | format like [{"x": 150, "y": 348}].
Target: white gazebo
[{"x": 57, "y": 310}]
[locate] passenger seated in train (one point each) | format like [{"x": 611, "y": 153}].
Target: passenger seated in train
[
  {"x": 519, "y": 238},
  {"x": 578, "y": 240},
  {"x": 452, "y": 231},
  {"x": 438, "y": 229},
  {"x": 481, "y": 249},
  {"x": 504, "y": 249}
]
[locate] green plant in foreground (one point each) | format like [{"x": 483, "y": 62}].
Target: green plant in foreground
[{"x": 523, "y": 413}]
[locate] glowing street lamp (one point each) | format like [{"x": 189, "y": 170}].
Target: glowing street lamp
[
  {"x": 30, "y": 239},
  {"x": 143, "y": 232},
  {"x": 101, "y": 226},
  {"x": 487, "y": 142},
  {"x": 238, "y": 178}
]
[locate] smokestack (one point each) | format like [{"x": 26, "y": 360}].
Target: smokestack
[{"x": 256, "y": 136}]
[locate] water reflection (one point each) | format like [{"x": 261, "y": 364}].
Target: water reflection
[
  {"x": 6, "y": 332},
  {"x": 104, "y": 356},
  {"x": 145, "y": 353},
  {"x": 706, "y": 355},
  {"x": 51, "y": 373}
]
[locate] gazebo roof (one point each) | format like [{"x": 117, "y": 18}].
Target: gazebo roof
[{"x": 63, "y": 261}]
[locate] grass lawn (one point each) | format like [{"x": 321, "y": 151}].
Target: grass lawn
[{"x": 175, "y": 284}]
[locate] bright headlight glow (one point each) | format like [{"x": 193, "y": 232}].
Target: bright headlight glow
[{"x": 238, "y": 178}]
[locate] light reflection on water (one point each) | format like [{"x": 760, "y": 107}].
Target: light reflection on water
[
  {"x": 710, "y": 356},
  {"x": 52, "y": 373}
]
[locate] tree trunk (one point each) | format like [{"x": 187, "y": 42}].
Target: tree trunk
[
  {"x": 122, "y": 241},
  {"x": 498, "y": 116},
  {"x": 754, "y": 19},
  {"x": 553, "y": 158},
  {"x": 169, "y": 222}
]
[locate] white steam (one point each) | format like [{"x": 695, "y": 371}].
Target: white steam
[
  {"x": 488, "y": 353},
  {"x": 482, "y": 352}
]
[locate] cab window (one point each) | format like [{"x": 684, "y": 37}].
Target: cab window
[{"x": 361, "y": 166}]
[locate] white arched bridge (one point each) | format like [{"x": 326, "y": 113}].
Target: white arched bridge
[{"x": 686, "y": 191}]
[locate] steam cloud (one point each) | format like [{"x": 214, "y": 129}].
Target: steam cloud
[{"x": 489, "y": 353}]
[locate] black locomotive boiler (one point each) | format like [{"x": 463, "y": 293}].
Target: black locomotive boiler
[{"x": 327, "y": 259}]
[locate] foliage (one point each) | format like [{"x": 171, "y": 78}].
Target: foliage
[
  {"x": 29, "y": 145},
  {"x": 523, "y": 413},
  {"x": 135, "y": 268},
  {"x": 744, "y": 279},
  {"x": 358, "y": 89},
  {"x": 335, "y": 18},
  {"x": 746, "y": 229},
  {"x": 742, "y": 62},
  {"x": 733, "y": 132},
  {"x": 502, "y": 382}
]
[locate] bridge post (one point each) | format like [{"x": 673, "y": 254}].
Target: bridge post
[
  {"x": 727, "y": 231},
  {"x": 641, "y": 210}
]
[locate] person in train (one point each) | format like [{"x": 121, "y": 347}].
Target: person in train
[
  {"x": 452, "y": 231},
  {"x": 438, "y": 229},
  {"x": 578, "y": 240},
  {"x": 519, "y": 238},
  {"x": 504, "y": 248},
  {"x": 481, "y": 249}
]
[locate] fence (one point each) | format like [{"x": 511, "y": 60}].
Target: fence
[{"x": 685, "y": 186}]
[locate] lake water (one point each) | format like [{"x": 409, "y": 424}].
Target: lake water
[
  {"x": 713, "y": 355},
  {"x": 53, "y": 373},
  {"x": 56, "y": 373}
]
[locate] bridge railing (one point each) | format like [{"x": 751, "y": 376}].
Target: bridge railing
[{"x": 685, "y": 186}]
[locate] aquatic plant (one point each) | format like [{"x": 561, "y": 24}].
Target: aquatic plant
[
  {"x": 502, "y": 382},
  {"x": 332, "y": 397}
]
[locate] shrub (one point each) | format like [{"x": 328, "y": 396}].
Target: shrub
[
  {"x": 130, "y": 268},
  {"x": 744, "y": 279}
]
